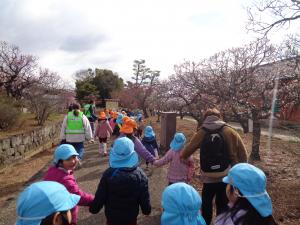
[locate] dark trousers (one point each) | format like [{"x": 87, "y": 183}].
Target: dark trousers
[
  {"x": 131, "y": 223},
  {"x": 209, "y": 191},
  {"x": 102, "y": 140},
  {"x": 79, "y": 147}
]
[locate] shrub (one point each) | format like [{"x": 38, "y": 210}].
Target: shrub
[{"x": 9, "y": 115}]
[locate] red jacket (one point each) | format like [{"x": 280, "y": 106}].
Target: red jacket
[{"x": 67, "y": 179}]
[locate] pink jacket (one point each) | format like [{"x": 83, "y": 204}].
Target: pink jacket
[
  {"x": 103, "y": 129},
  {"x": 178, "y": 171},
  {"x": 67, "y": 179}
]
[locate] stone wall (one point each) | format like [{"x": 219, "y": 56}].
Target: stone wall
[{"x": 20, "y": 146}]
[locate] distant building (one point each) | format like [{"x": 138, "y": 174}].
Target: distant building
[{"x": 286, "y": 70}]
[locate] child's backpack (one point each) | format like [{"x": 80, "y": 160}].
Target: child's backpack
[
  {"x": 87, "y": 110},
  {"x": 214, "y": 155}
]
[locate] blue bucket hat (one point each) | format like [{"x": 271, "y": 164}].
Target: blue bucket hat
[
  {"x": 42, "y": 199},
  {"x": 149, "y": 132},
  {"x": 63, "y": 152},
  {"x": 120, "y": 118},
  {"x": 181, "y": 204},
  {"x": 251, "y": 182},
  {"x": 177, "y": 142},
  {"x": 122, "y": 154}
]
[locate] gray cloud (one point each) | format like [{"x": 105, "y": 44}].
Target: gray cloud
[
  {"x": 80, "y": 43},
  {"x": 39, "y": 34}
]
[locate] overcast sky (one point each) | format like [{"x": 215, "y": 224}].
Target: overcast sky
[{"x": 69, "y": 35}]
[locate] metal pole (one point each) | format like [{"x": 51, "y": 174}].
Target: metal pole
[{"x": 272, "y": 114}]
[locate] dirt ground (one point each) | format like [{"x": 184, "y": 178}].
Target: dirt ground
[{"x": 281, "y": 165}]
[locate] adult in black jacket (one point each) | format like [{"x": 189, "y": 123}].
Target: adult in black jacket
[{"x": 123, "y": 187}]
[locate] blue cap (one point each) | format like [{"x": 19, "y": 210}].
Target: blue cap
[
  {"x": 148, "y": 132},
  {"x": 120, "y": 118},
  {"x": 122, "y": 154},
  {"x": 251, "y": 182},
  {"x": 177, "y": 142},
  {"x": 181, "y": 204},
  {"x": 63, "y": 152},
  {"x": 42, "y": 199}
]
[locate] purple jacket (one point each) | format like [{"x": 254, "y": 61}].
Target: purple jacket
[
  {"x": 67, "y": 179},
  {"x": 112, "y": 123},
  {"x": 178, "y": 171},
  {"x": 141, "y": 150}
]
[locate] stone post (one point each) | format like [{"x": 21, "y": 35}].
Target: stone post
[{"x": 167, "y": 130}]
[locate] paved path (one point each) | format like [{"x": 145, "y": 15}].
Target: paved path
[
  {"x": 277, "y": 133},
  {"x": 88, "y": 178}
]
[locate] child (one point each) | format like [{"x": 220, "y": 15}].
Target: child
[
  {"x": 127, "y": 130},
  {"x": 249, "y": 202},
  {"x": 102, "y": 132},
  {"x": 65, "y": 161},
  {"x": 181, "y": 205},
  {"x": 118, "y": 125},
  {"x": 110, "y": 115},
  {"x": 178, "y": 171},
  {"x": 150, "y": 142},
  {"x": 140, "y": 125},
  {"x": 113, "y": 119},
  {"x": 45, "y": 203},
  {"x": 123, "y": 187}
]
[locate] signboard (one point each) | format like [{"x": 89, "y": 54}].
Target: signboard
[{"x": 111, "y": 104}]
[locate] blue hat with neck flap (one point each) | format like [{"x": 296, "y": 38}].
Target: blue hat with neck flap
[
  {"x": 42, "y": 199},
  {"x": 148, "y": 132},
  {"x": 178, "y": 142},
  {"x": 181, "y": 204},
  {"x": 251, "y": 182}
]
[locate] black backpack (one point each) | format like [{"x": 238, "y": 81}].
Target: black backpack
[{"x": 214, "y": 155}]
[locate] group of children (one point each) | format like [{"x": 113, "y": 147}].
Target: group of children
[
  {"x": 127, "y": 126},
  {"x": 123, "y": 187}
]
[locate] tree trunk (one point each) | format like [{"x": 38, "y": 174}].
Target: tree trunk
[
  {"x": 181, "y": 114},
  {"x": 158, "y": 116},
  {"x": 256, "y": 139}
]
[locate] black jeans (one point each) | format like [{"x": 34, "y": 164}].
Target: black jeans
[{"x": 209, "y": 191}]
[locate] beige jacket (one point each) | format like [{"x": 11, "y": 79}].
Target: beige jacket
[
  {"x": 237, "y": 151},
  {"x": 75, "y": 138}
]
